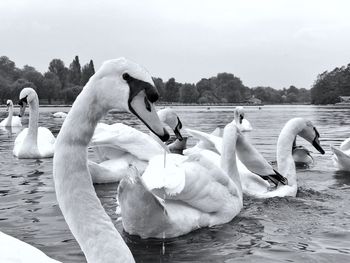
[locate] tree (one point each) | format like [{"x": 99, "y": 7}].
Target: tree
[
  {"x": 87, "y": 71},
  {"x": 188, "y": 93},
  {"x": 57, "y": 67},
  {"x": 51, "y": 86},
  {"x": 171, "y": 91},
  {"x": 8, "y": 69},
  {"x": 74, "y": 72}
]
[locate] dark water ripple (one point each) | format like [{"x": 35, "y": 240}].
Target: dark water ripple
[{"x": 313, "y": 227}]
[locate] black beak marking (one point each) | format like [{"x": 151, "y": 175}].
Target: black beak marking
[
  {"x": 315, "y": 142},
  {"x": 177, "y": 130},
  {"x": 148, "y": 105},
  {"x": 276, "y": 178},
  {"x": 241, "y": 117}
]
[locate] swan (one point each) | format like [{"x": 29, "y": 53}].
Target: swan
[
  {"x": 33, "y": 142},
  {"x": 341, "y": 156},
  {"x": 242, "y": 123},
  {"x": 122, "y": 85},
  {"x": 15, "y": 250},
  {"x": 302, "y": 156},
  {"x": 59, "y": 114},
  {"x": 191, "y": 192},
  {"x": 11, "y": 121},
  {"x": 119, "y": 145},
  {"x": 254, "y": 186}
]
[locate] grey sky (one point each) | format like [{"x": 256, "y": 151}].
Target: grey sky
[{"x": 264, "y": 42}]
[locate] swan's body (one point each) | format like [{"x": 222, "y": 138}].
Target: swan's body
[
  {"x": 15, "y": 250},
  {"x": 60, "y": 114},
  {"x": 253, "y": 185},
  {"x": 119, "y": 146},
  {"x": 122, "y": 85},
  {"x": 33, "y": 142},
  {"x": 341, "y": 157},
  {"x": 11, "y": 121},
  {"x": 242, "y": 123},
  {"x": 191, "y": 192}
]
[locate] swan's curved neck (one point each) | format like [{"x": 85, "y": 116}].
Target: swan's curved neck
[
  {"x": 9, "y": 119},
  {"x": 228, "y": 157},
  {"x": 32, "y": 134},
  {"x": 285, "y": 161},
  {"x": 83, "y": 212}
]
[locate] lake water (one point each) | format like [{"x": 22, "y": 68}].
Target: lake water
[{"x": 313, "y": 227}]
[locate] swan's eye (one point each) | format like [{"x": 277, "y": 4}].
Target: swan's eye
[{"x": 126, "y": 76}]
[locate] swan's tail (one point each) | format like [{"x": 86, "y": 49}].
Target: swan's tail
[{"x": 142, "y": 212}]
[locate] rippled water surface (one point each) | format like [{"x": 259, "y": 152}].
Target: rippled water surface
[{"x": 313, "y": 227}]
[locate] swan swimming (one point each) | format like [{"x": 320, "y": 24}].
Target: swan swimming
[
  {"x": 242, "y": 123},
  {"x": 341, "y": 155},
  {"x": 118, "y": 146},
  {"x": 15, "y": 250},
  {"x": 33, "y": 142},
  {"x": 122, "y": 85},
  {"x": 10, "y": 121},
  {"x": 301, "y": 155},
  {"x": 191, "y": 192},
  {"x": 59, "y": 115},
  {"x": 254, "y": 186}
]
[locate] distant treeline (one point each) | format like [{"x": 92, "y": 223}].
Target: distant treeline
[
  {"x": 61, "y": 84},
  {"x": 329, "y": 86}
]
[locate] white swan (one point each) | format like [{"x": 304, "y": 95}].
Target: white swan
[
  {"x": 122, "y": 85},
  {"x": 60, "y": 115},
  {"x": 10, "y": 121},
  {"x": 33, "y": 142},
  {"x": 15, "y": 250},
  {"x": 190, "y": 193},
  {"x": 302, "y": 156},
  {"x": 253, "y": 185},
  {"x": 341, "y": 156},
  {"x": 242, "y": 123},
  {"x": 118, "y": 146}
]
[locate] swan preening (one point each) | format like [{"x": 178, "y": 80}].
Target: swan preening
[
  {"x": 191, "y": 192},
  {"x": 118, "y": 146},
  {"x": 122, "y": 85},
  {"x": 11, "y": 121},
  {"x": 33, "y": 142},
  {"x": 341, "y": 156}
]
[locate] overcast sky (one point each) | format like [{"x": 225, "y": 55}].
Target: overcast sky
[{"x": 264, "y": 42}]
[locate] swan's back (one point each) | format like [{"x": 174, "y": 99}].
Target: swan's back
[{"x": 15, "y": 250}]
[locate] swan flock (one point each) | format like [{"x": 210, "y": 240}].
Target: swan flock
[{"x": 164, "y": 191}]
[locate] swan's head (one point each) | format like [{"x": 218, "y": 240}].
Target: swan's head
[
  {"x": 310, "y": 133},
  {"x": 126, "y": 86},
  {"x": 26, "y": 96},
  {"x": 9, "y": 104},
  {"x": 239, "y": 114},
  {"x": 170, "y": 117}
]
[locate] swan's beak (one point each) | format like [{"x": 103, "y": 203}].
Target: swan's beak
[
  {"x": 241, "y": 117},
  {"x": 7, "y": 107},
  {"x": 316, "y": 142},
  {"x": 141, "y": 104},
  {"x": 276, "y": 178},
  {"x": 177, "y": 130},
  {"x": 22, "y": 103}
]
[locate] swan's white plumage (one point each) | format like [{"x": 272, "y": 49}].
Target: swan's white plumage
[
  {"x": 46, "y": 143},
  {"x": 242, "y": 123},
  {"x": 341, "y": 157},
  {"x": 107, "y": 89},
  {"x": 10, "y": 120},
  {"x": 59, "y": 114},
  {"x": 13, "y": 250}
]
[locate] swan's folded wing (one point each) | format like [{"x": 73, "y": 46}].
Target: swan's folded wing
[
  {"x": 345, "y": 145},
  {"x": 126, "y": 139},
  {"x": 210, "y": 141}
]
